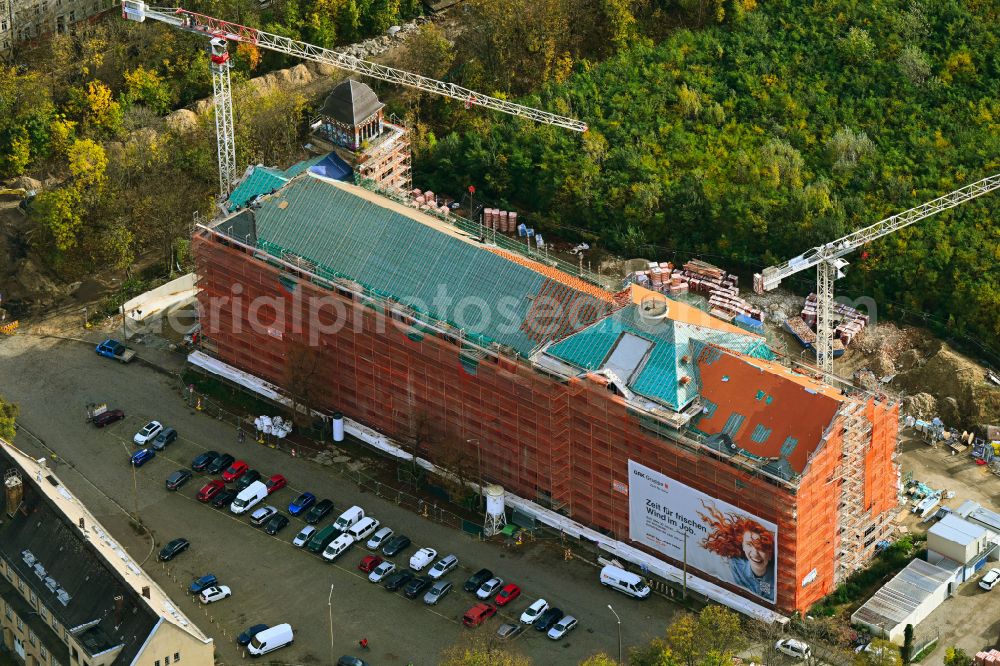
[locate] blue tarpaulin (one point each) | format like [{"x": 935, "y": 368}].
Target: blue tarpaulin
[{"x": 332, "y": 167}]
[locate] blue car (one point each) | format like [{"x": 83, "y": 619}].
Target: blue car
[
  {"x": 140, "y": 457},
  {"x": 199, "y": 584},
  {"x": 301, "y": 503},
  {"x": 247, "y": 636}
]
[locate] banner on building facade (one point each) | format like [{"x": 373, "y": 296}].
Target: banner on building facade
[{"x": 722, "y": 540}]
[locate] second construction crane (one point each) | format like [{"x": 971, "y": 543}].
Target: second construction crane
[
  {"x": 222, "y": 32},
  {"x": 830, "y": 263}
]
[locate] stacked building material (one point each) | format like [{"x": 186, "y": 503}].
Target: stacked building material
[
  {"x": 850, "y": 322},
  {"x": 702, "y": 278},
  {"x": 991, "y": 657}
]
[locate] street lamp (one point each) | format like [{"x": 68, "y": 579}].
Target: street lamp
[
  {"x": 329, "y": 603},
  {"x": 619, "y": 633}
]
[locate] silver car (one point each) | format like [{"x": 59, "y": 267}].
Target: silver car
[
  {"x": 443, "y": 566},
  {"x": 437, "y": 591},
  {"x": 562, "y": 627},
  {"x": 302, "y": 537}
]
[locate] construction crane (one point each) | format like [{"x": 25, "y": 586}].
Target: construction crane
[
  {"x": 222, "y": 32},
  {"x": 830, "y": 263}
]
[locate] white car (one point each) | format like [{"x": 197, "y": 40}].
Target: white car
[
  {"x": 215, "y": 593},
  {"x": 793, "y": 648},
  {"x": 148, "y": 433},
  {"x": 422, "y": 558},
  {"x": 379, "y": 538},
  {"x": 990, "y": 580},
  {"x": 443, "y": 566},
  {"x": 532, "y": 612},
  {"x": 562, "y": 627},
  {"x": 262, "y": 515},
  {"x": 381, "y": 571},
  {"x": 303, "y": 537},
  {"x": 487, "y": 589}
]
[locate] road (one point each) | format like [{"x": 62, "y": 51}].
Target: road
[{"x": 272, "y": 581}]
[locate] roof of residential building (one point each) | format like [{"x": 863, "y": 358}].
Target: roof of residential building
[
  {"x": 351, "y": 102},
  {"x": 260, "y": 180}
]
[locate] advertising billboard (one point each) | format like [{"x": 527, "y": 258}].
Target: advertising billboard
[{"x": 722, "y": 540}]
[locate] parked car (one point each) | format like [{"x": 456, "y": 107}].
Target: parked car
[
  {"x": 990, "y": 579},
  {"x": 478, "y": 614},
  {"x": 319, "y": 512},
  {"x": 532, "y": 612},
  {"x": 793, "y": 648},
  {"x": 301, "y": 503},
  {"x": 141, "y": 457},
  {"x": 148, "y": 433},
  {"x": 225, "y": 498},
  {"x": 199, "y": 584},
  {"x": 398, "y": 580},
  {"x": 364, "y": 528},
  {"x": 489, "y": 588},
  {"x": 173, "y": 549},
  {"x": 247, "y": 636},
  {"x": 220, "y": 463},
  {"x": 215, "y": 593},
  {"x": 417, "y": 586},
  {"x": 508, "y": 631},
  {"x": 302, "y": 538},
  {"x": 443, "y": 566},
  {"x": 166, "y": 436},
  {"x": 548, "y": 619},
  {"x": 379, "y": 538},
  {"x": 396, "y": 545},
  {"x": 508, "y": 594},
  {"x": 235, "y": 470},
  {"x": 477, "y": 579},
  {"x": 276, "y": 523},
  {"x": 562, "y": 627},
  {"x": 348, "y": 660},
  {"x": 276, "y": 483},
  {"x": 381, "y": 571},
  {"x": 338, "y": 547},
  {"x": 108, "y": 417},
  {"x": 262, "y": 515},
  {"x": 202, "y": 461},
  {"x": 437, "y": 592},
  {"x": 248, "y": 477},
  {"x": 210, "y": 490},
  {"x": 178, "y": 479},
  {"x": 422, "y": 558},
  {"x": 369, "y": 562}
]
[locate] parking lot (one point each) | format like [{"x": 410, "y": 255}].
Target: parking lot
[{"x": 272, "y": 581}]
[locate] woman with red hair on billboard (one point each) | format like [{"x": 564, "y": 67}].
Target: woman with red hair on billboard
[{"x": 748, "y": 545}]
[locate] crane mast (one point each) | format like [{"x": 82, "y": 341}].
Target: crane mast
[
  {"x": 830, "y": 264},
  {"x": 223, "y": 32}
]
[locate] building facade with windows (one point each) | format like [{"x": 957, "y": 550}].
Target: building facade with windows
[
  {"x": 69, "y": 593},
  {"x": 24, "y": 20}
]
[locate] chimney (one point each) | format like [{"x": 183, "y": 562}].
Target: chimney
[
  {"x": 145, "y": 591},
  {"x": 81, "y": 523}
]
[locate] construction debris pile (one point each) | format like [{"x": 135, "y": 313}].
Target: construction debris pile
[
  {"x": 428, "y": 201},
  {"x": 850, "y": 322},
  {"x": 704, "y": 279}
]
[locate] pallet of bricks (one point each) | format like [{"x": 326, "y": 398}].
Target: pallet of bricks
[
  {"x": 427, "y": 201},
  {"x": 991, "y": 657},
  {"x": 702, "y": 278},
  {"x": 659, "y": 277},
  {"x": 851, "y": 323}
]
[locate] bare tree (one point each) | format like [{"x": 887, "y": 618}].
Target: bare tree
[{"x": 303, "y": 380}]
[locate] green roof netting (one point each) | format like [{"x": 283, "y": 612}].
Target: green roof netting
[{"x": 264, "y": 180}]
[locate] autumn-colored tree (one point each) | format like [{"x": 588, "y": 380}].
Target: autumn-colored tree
[
  {"x": 8, "y": 419},
  {"x": 145, "y": 86},
  {"x": 429, "y": 52},
  {"x": 101, "y": 110},
  {"x": 599, "y": 659},
  {"x": 481, "y": 652}
]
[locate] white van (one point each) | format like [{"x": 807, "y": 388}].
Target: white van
[
  {"x": 248, "y": 497},
  {"x": 271, "y": 639},
  {"x": 624, "y": 582},
  {"x": 337, "y": 547},
  {"x": 363, "y": 528},
  {"x": 348, "y": 519}
]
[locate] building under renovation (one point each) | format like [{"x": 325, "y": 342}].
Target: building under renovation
[
  {"x": 25, "y": 20},
  {"x": 632, "y": 414}
]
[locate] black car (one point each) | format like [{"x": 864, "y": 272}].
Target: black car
[
  {"x": 398, "y": 580},
  {"x": 173, "y": 549},
  {"x": 248, "y": 477},
  {"x": 178, "y": 479},
  {"x": 220, "y": 463},
  {"x": 277, "y": 523},
  {"x": 247, "y": 636},
  {"x": 417, "y": 586},
  {"x": 348, "y": 660},
  {"x": 547, "y": 619},
  {"x": 166, "y": 436},
  {"x": 225, "y": 498},
  {"x": 201, "y": 463},
  {"x": 396, "y": 545},
  {"x": 477, "y": 579},
  {"x": 319, "y": 512}
]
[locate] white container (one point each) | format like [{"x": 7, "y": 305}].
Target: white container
[{"x": 338, "y": 427}]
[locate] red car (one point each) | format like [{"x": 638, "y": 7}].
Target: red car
[
  {"x": 508, "y": 594},
  {"x": 478, "y": 614},
  {"x": 276, "y": 482},
  {"x": 108, "y": 417},
  {"x": 210, "y": 490},
  {"x": 369, "y": 562},
  {"x": 235, "y": 471}
]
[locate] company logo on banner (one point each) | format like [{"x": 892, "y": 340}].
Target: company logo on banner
[{"x": 722, "y": 540}]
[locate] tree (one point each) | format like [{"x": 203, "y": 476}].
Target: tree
[
  {"x": 304, "y": 375},
  {"x": 101, "y": 110},
  {"x": 144, "y": 86},
  {"x": 481, "y": 652},
  {"x": 914, "y": 65},
  {"x": 600, "y": 659},
  {"x": 879, "y": 652},
  {"x": 955, "y": 656},
  {"x": 88, "y": 165},
  {"x": 429, "y": 52},
  {"x": 8, "y": 418},
  {"x": 906, "y": 652},
  {"x": 857, "y": 46}
]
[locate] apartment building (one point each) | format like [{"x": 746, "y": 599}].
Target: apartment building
[{"x": 24, "y": 20}]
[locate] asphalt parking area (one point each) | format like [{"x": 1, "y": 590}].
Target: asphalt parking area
[{"x": 272, "y": 581}]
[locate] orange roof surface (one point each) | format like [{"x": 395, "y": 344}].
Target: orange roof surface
[
  {"x": 686, "y": 313},
  {"x": 555, "y": 274},
  {"x": 768, "y": 410}
]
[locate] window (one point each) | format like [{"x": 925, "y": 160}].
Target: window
[
  {"x": 10, "y": 613},
  {"x": 156, "y": 663},
  {"x": 41, "y": 612},
  {"x": 34, "y": 599},
  {"x": 32, "y": 638},
  {"x": 45, "y": 653},
  {"x": 20, "y": 625},
  {"x": 166, "y": 660}
]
